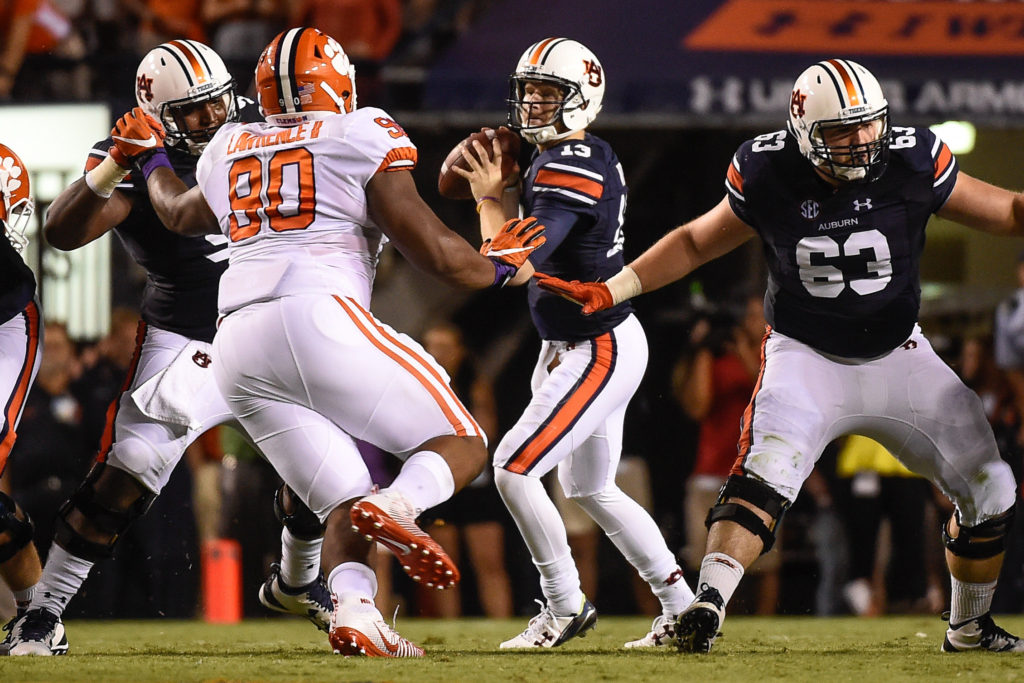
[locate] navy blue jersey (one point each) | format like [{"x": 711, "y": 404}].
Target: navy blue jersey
[
  {"x": 843, "y": 262},
  {"x": 182, "y": 273},
  {"x": 577, "y": 190},
  {"x": 17, "y": 283}
]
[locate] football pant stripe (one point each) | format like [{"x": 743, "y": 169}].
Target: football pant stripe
[
  {"x": 399, "y": 159},
  {"x": 561, "y": 420},
  {"x": 569, "y": 181},
  {"x": 425, "y": 373},
  {"x": 107, "y": 440},
  {"x": 746, "y": 436},
  {"x": 16, "y": 403}
]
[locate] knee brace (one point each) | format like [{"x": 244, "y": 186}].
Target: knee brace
[
  {"x": 103, "y": 517},
  {"x": 993, "y": 530},
  {"x": 19, "y": 531},
  {"x": 301, "y": 522},
  {"x": 761, "y": 496}
]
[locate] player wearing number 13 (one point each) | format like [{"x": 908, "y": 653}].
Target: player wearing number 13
[
  {"x": 307, "y": 199},
  {"x": 843, "y": 353}
]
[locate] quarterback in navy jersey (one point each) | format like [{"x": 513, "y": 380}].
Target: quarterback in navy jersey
[
  {"x": 169, "y": 397},
  {"x": 589, "y": 367},
  {"x": 841, "y": 201}
]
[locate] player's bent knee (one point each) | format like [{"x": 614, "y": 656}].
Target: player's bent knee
[
  {"x": 981, "y": 541},
  {"x": 296, "y": 515},
  {"x": 15, "y": 532},
  {"x": 106, "y": 520},
  {"x": 758, "y": 494}
]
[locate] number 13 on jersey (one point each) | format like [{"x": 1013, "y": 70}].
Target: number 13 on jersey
[{"x": 278, "y": 192}]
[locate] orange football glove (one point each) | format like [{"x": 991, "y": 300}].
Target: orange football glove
[
  {"x": 137, "y": 135},
  {"x": 593, "y": 296},
  {"x": 512, "y": 246}
]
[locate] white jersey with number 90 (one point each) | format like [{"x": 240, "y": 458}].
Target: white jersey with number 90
[{"x": 292, "y": 202}]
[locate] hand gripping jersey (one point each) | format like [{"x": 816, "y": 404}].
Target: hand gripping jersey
[
  {"x": 578, "y": 191},
  {"x": 292, "y": 202},
  {"x": 843, "y": 262},
  {"x": 181, "y": 272}
]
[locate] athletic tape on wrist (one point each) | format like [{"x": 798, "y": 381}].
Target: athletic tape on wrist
[
  {"x": 624, "y": 285},
  {"x": 104, "y": 178}
]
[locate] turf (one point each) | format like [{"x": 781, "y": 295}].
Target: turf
[{"x": 751, "y": 649}]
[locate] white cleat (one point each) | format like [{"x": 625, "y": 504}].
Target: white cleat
[
  {"x": 980, "y": 633},
  {"x": 358, "y": 629},
  {"x": 39, "y": 633},
  {"x": 549, "y": 630},
  {"x": 662, "y": 634}
]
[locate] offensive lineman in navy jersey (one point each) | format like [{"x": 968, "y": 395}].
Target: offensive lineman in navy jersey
[
  {"x": 843, "y": 353},
  {"x": 169, "y": 397},
  {"x": 589, "y": 367}
]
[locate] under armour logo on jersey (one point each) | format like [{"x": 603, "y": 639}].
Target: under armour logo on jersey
[
  {"x": 809, "y": 209},
  {"x": 858, "y": 205},
  {"x": 910, "y": 345},
  {"x": 201, "y": 359}
]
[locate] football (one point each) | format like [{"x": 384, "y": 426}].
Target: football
[{"x": 453, "y": 186}]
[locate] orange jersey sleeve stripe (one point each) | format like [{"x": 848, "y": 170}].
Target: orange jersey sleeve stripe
[
  {"x": 458, "y": 417},
  {"x": 748, "y": 414},
  {"x": 399, "y": 159},
  {"x": 107, "y": 440},
  {"x": 591, "y": 188},
  {"x": 734, "y": 177},
  {"x": 569, "y": 409},
  {"x": 15, "y": 404},
  {"x": 943, "y": 161}
]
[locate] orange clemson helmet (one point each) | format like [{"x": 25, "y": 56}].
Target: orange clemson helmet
[
  {"x": 303, "y": 74},
  {"x": 17, "y": 206}
]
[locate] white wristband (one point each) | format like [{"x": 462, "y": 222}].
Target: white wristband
[
  {"x": 104, "y": 178},
  {"x": 624, "y": 285}
]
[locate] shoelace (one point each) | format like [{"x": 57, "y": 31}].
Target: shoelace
[
  {"x": 38, "y": 624},
  {"x": 536, "y": 625}
]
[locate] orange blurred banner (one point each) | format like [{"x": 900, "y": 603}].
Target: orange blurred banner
[{"x": 882, "y": 27}]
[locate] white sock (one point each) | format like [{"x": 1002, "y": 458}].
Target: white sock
[
  {"x": 425, "y": 479},
  {"x": 969, "y": 600},
  {"x": 544, "y": 533},
  {"x": 353, "y": 577},
  {"x": 63, "y": 575},
  {"x": 721, "y": 572},
  {"x": 638, "y": 538},
  {"x": 300, "y": 559},
  {"x": 23, "y": 598}
]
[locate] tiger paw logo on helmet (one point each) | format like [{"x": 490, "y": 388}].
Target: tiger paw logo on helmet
[
  {"x": 10, "y": 172},
  {"x": 16, "y": 205}
]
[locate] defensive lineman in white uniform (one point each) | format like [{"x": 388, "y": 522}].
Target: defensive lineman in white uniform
[{"x": 306, "y": 201}]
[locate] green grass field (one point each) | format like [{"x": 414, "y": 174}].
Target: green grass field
[{"x": 751, "y": 649}]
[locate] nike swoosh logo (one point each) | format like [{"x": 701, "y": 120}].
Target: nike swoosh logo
[
  {"x": 502, "y": 252},
  {"x": 401, "y": 547},
  {"x": 148, "y": 142},
  {"x": 391, "y": 647}
]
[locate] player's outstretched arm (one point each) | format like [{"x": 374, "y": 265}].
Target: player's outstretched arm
[
  {"x": 984, "y": 207},
  {"x": 674, "y": 256},
  {"x": 396, "y": 206},
  {"x": 79, "y": 215}
]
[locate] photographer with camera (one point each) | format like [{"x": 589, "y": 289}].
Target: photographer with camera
[{"x": 713, "y": 383}]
